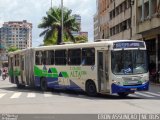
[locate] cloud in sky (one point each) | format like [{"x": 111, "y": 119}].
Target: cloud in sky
[{"x": 34, "y": 10}]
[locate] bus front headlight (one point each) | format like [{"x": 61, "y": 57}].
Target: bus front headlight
[
  {"x": 115, "y": 82},
  {"x": 145, "y": 80}
]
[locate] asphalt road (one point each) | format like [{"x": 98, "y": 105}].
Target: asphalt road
[{"x": 33, "y": 101}]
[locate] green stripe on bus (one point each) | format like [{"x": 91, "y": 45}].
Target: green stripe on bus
[
  {"x": 54, "y": 70},
  {"x": 37, "y": 71},
  {"x": 44, "y": 73},
  {"x": 65, "y": 74}
]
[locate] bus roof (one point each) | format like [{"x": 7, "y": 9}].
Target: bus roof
[
  {"x": 79, "y": 45},
  {"x": 84, "y": 45}
]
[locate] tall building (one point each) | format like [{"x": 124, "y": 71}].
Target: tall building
[
  {"x": 78, "y": 20},
  {"x": 96, "y": 27},
  {"x": 120, "y": 15},
  {"x": 79, "y": 32},
  {"x": 148, "y": 26},
  {"x": 101, "y": 20},
  {"x": 16, "y": 33},
  {"x": 3, "y": 56}
]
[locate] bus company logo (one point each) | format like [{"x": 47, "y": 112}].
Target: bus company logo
[{"x": 77, "y": 72}]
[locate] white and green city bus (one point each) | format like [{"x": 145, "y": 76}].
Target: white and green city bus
[{"x": 112, "y": 66}]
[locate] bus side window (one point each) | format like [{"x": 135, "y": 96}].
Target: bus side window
[
  {"x": 16, "y": 60},
  {"x": 60, "y": 57},
  {"x": 74, "y": 57},
  {"x": 50, "y": 58},
  {"x": 38, "y": 56},
  {"x": 88, "y": 56},
  {"x": 45, "y": 57}
]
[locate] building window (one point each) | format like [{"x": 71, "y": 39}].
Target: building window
[
  {"x": 114, "y": 32},
  {"x": 154, "y": 6},
  {"x": 146, "y": 10},
  {"x": 128, "y": 3},
  {"x": 110, "y": 14},
  {"x": 111, "y": 33},
  {"x": 124, "y": 25},
  {"x": 50, "y": 57},
  {"x": 128, "y": 23},
  {"x": 139, "y": 13}
]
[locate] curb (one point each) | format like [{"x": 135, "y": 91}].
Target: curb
[{"x": 156, "y": 84}]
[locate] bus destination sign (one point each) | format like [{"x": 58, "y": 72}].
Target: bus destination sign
[{"x": 119, "y": 45}]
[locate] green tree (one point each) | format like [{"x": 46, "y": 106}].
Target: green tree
[
  {"x": 81, "y": 39},
  {"x": 52, "y": 26},
  {"x": 12, "y": 49}
]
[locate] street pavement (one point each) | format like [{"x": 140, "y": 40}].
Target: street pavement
[{"x": 30, "y": 100}]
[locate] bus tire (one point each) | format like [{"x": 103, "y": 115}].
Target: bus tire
[
  {"x": 123, "y": 94},
  {"x": 19, "y": 86},
  {"x": 43, "y": 84},
  {"x": 91, "y": 88}
]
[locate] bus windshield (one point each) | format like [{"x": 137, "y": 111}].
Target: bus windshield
[{"x": 129, "y": 62}]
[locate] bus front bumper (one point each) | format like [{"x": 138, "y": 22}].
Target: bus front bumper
[{"x": 129, "y": 89}]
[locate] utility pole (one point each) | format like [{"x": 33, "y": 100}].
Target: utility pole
[
  {"x": 51, "y": 4},
  {"x": 62, "y": 20}
]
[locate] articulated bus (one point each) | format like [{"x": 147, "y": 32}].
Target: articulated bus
[{"x": 107, "y": 67}]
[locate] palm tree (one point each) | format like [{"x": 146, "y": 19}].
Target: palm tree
[{"x": 52, "y": 25}]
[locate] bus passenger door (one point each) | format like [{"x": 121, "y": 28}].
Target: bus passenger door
[{"x": 103, "y": 80}]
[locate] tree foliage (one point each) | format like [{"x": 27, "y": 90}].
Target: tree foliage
[
  {"x": 52, "y": 26},
  {"x": 12, "y": 49},
  {"x": 81, "y": 39}
]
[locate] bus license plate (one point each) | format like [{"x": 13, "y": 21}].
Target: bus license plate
[{"x": 133, "y": 88}]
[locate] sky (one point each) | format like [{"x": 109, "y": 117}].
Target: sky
[{"x": 34, "y": 10}]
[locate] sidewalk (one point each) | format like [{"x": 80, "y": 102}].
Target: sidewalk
[{"x": 152, "y": 83}]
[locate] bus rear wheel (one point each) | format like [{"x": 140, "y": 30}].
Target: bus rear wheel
[
  {"x": 123, "y": 94},
  {"x": 91, "y": 88},
  {"x": 19, "y": 86},
  {"x": 44, "y": 84}
]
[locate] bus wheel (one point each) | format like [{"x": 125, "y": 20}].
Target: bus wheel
[
  {"x": 43, "y": 84},
  {"x": 123, "y": 94},
  {"x": 18, "y": 84},
  {"x": 91, "y": 88}
]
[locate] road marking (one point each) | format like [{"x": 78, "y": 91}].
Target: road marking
[
  {"x": 153, "y": 93},
  {"x": 142, "y": 94},
  {"x": 48, "y": 95},
  {"x": 64, "y": 94},
  {"x": 2, "y": 94},
  {"x": 133, "y": 95},
  {"x": 16, "y": 95},
  {"x": 31, "y": 95}
]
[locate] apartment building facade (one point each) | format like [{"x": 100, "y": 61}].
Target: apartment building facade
[
  {"x": 78, "y": 20},
  {"x": 79, "y": 32},
  {"x": 120, "y": 15},
  {"x": 16, "y": 33},
  {"x": 148, "y": 26},
  {"x": 101, "y": 20},
  {"x": 96, "y": 27}
]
